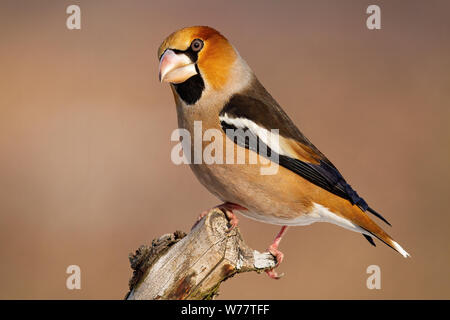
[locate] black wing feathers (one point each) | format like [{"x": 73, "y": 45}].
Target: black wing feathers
[{"x": 328, "y": 178}]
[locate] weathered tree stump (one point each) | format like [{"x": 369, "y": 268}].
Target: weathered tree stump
[{"x": 192, "y": 266}]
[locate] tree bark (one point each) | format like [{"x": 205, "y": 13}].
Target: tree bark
[{"x": 192, "y": 266}]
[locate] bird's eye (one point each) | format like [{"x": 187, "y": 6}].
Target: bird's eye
[{"x": 197, "y": 45}]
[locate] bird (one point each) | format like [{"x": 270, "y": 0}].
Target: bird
[{"x": 213, "y": 85}]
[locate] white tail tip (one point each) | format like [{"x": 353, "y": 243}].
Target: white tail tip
[{"x": 400, "y": 250}]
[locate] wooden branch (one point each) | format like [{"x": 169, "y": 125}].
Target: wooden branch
[{"x": 179, "y": 266}]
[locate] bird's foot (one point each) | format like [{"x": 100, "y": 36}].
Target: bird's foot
[
  {"x": 273, "y": 274},
  {"x": 227, "y": 208},
  {"x": 232, "y": 219},
  {"x": 273, "y": 249},
  {"x": 200, "y": 217}
]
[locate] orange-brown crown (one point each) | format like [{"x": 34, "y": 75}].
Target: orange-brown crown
[{"x": 214, "y": 60}]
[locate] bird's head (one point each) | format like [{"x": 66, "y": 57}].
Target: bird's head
[{"x": 194, "y": 59}]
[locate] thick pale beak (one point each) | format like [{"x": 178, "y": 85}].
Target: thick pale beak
[{"x": 175, "y": 68}]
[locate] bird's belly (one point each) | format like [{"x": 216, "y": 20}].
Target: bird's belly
[
  {"x": 317, "y": 214},
  {"x": 275, "y": 199},
  {"x": 301, "y": 220}
]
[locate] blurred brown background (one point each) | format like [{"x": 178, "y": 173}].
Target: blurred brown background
[{"x": 85, "y": 169}]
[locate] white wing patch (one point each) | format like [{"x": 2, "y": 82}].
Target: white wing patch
[{"x": 270, "y": 138}]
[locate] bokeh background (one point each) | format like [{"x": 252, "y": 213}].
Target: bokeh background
[{"x": 85, "y": 169}]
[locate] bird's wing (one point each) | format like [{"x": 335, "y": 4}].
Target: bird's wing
[{"x": 258, "y": 118}]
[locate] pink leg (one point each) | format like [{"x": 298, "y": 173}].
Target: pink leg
[
  {"x": 227, "y": 209},
  {"x": 273, "y": 249}
]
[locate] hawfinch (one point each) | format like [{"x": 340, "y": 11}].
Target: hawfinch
[{"x": 212, "y": 85}]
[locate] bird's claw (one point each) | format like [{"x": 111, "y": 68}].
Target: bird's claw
[
  {"x": 273, "y": 250},
  {"x": 279, "y": 256},
  {"x": 227, "y": 208},
  {"x": 273, "y": 274},
  {"x": 200, "y": 217},
  {"x": 232, "y": 219}
]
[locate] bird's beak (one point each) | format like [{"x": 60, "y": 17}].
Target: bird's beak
[{"x": 175, "y": 68}]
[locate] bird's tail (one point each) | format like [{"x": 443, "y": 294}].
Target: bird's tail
[{"x": 372, "y": 229}]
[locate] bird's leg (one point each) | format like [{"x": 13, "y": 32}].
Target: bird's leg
[
  {"x": 227, "y": 208},
  {"x": 273, "y": 249}
]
